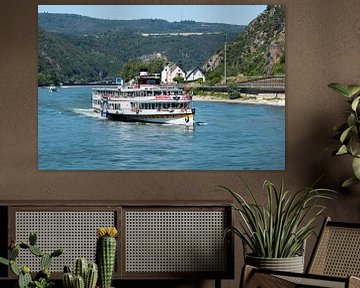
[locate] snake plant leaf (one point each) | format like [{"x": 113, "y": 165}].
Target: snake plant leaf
[
  {"x": 341, "y": 89},
  {"x": 342, "y": 150},
  {"x": 355, "y": 103},
  {"x": 349, "y": 182},
  {"x": 345, "y": 134},
  {"x": 354, "y": 146},
  {"x": 354, "y": 90},
  {"x": 351, "y": 120},
  {"x": 356, "y": 167}
]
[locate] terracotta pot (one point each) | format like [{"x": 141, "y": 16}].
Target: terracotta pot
[{"x": 291, "y": 264}]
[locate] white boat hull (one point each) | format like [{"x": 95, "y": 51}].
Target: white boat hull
[{"x": 173, "y": 119}]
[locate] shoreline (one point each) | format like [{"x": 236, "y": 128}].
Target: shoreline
[{"x": 250, "y": 101}]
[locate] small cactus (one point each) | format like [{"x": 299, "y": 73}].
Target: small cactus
[
  {"x": 14, "y": 268},
  {"x": 23, "y": 273},
  {"x": 36, "y": 251},
  {"x": 57, "y": 252},
  {"x": 32, "y": 239},
  {"x": 45, "y": 261},
  {"x": 106, "y": 254},
  {"x": 80, "y": 267},
  {"x": 89, "y": 272},
  {"x": 24, "y": 278},
  {"x": 91, "y": 276},
  {"x": 24, "y": 246},
  {"x": 67, "y": 269},
  {"x": 13, "y": 253},
  {"x": 68, "y": 280},
  {"x": 79, "y": 282},
  {"x": 44, "y": 273}
]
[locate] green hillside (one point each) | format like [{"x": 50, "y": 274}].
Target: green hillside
[
  {"x": 258, "y": 51},
  {"x": 75, "y": 49},
  {"x": 76, "y": 24}
]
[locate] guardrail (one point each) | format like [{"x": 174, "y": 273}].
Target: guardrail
[{"x": 267, "y": 85}]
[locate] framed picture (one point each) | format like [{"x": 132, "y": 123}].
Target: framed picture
[{"x": 161, "y": 87}]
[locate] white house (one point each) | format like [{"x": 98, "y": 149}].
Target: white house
[
  {"x": 195, "y": 74},
  {"x": 170, "y": 72}
]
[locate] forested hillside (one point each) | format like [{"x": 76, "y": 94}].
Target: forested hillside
[
  {"x": 75, "y": 49},
  {"x": 76, "y": 24},
  {"x": 259, "y": 50}
]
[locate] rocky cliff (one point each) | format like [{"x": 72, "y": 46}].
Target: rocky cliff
[{"x": 258, "y": 50}]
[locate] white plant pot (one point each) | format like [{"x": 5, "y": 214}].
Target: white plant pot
[{"x": 291, "y": 264}]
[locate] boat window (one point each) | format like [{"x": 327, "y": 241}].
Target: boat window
[
  {"x": 157, "y": 92},
  {"x": 149, "y": 93}
]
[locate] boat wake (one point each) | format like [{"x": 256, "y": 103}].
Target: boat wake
[{"x": 89, "y": 112}]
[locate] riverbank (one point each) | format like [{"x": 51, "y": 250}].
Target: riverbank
[{"x": 266, "y": 99}]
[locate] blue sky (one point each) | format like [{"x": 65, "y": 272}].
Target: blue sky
[{"x": 230, "y": 14}]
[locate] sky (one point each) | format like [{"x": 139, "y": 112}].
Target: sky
[{"x": 229, "y": 14}]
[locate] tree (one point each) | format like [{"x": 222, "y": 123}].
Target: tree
[
  {"x": 133, "y": 67},
  {"x": 179, "y": 79}
]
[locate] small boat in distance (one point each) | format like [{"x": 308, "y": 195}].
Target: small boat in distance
[
  {"x": 145, "y": 101},
  {"x": 52, "y": 89}
]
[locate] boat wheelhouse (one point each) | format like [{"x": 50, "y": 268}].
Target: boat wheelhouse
[{"x": 145, "y": 101}]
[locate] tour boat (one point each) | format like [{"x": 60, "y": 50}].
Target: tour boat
[
  {"x": 145, "y": 101},
  {"x": 52, "y": 89}
]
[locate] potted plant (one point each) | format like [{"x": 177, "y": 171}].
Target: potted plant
[
  {"x": 106, "y": 254},
  {"x": 84, "y": 274},
  {"x": 42, "y": 278},
  {"x": 276, "y": 233},
  {"x": 348, "y": 132}
]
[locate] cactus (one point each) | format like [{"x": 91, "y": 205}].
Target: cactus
[
  {"x": 68, "y": 280},
  {"x": 79, "y": 282},
  {"x": 80, "y": 267},
  {"x": 24, "y": 246},
  {"x": 14, "y": 268},
  {"x": 89, "y": 272},
  {"x": 105, "y": 254},
  {"x": 36, "y": 251},
  {"x": 57, "y": 252},
  {"x": 45, "y": 261},
  {"x": 91, "y": 276},
  {"x": 24, "y": 278},
  {"x": 13, "y": 253},
  {"x": 32, "y": 239},
  {"x": 43, "y": 274},
  {"x": 67, "y": 269}
]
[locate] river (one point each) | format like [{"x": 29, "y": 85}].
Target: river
[{"x": 71, "y": 136}]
